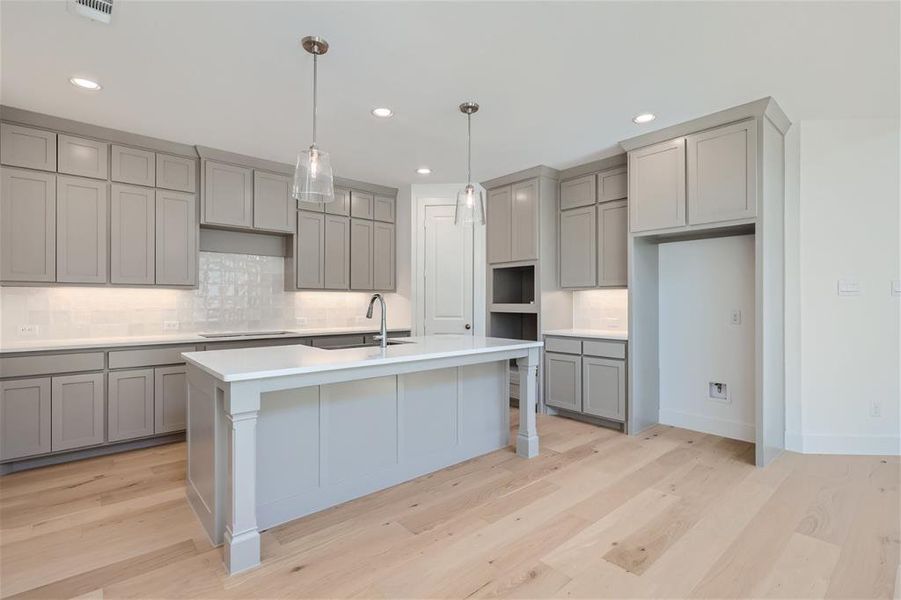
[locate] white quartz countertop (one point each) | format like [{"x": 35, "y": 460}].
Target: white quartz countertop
[
  {"x": 278, "y": 361},
  {"x": 176, "y": 338},
  {"x": 597, "y": 334}
]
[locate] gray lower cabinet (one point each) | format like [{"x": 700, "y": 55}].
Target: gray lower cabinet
[
  {"x": 27, "y": 147},
  {"x": 309, "y": 251},
  {"x": 228, "y": 195},
  {"x": 578, "y": 247},
  {"x": 132, "y": 165},
  {"x": 82, "y": 157},
  {"x": 563, "y": 380},
  {"x": 176, "y": 238},
  {"x": 604, "y": 387},
  {"x": 130, "y": 404},
  {"x": 383, "y": 256},
  {"x": 170, "y": 396},
  {"x": 273, "y": 207},
  {"x": 132, "y": 235},
  {"x": 361, "y": 233},
  {"x": 77, "y": 414},
  {"x": 81, "y": 230},
  {"x": 336, "y": 265},
  {"x": 657, "y": 186},
  {"x": 612, "y": 232},
  {"x": 27, "y": 225},
  {"x": 24, "y": 417}
]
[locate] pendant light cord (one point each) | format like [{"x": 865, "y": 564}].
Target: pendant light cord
[
  {"x": 315, "y": 85},
  {"x": 469, "y": 148}
]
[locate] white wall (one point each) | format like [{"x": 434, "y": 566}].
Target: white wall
[
  {"x": 601, "y": 309},
  {"x": 847, "y": 226},
  {"x": 701, "y": 283}
]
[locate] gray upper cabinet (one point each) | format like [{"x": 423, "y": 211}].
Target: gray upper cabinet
[
  {"x": 169, "y": 393},
  {"x": 612, "y": 185},
  {"x": 309, "y": 252},
  {"x": 383, "y": 208},
  {"x": 27, "y": 147},
  {"x": 383, "y": 256},
  {"x": 24, "y": 417},
  {"x": 340, "y": 205},
  {"x": 131, "y": 165},
  {"x": 498, "y": 223},
  {"x": 130, "y": 404},
  {"x": 27, "y": 226},
  {"x": 273, "y": 207},
  {"x": 578, "y": 248},
  {"x": 563, "y": 377},
  {"x": 77, "y": 411},
  {"x": 524, "y": 221},
  {"x": 176, "y": 173},
  {"x": 176, "y": 238},
  {"x": 132, "y": 235},
  {"x": 581, "y": 191},
  {"x": 361, "y": 204},
  {"x": 722, "y": 174},
  {"x": 361, "y": 254},
  {"x": 613, "y": 224},
  {"x": 336, "y": 267},
  {"x": 657, "y": 186},
  {"x": 81, "y": 230},
  {"x": 604, "y": 387},
  {"x": 319, "y": 206},
  {"x": 228, "y": 195},
  {"x": 83, "y": 157}
]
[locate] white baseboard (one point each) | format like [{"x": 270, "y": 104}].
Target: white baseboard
[
  {"x": 705, "y": 424},
  {"x": 875, "y": 445}
]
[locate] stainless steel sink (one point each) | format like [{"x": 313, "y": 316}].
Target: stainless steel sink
[{"x": 244, "y": 334}]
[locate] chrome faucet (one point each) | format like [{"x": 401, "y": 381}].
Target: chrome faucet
[{"x": 383, "y": 338}]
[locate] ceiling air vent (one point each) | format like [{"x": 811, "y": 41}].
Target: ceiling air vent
[{"x": 96, "y": 10}]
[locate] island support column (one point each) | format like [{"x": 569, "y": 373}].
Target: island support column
[
  {"x": 242, "y": 538},
  {"x": 527, "y": 439}
]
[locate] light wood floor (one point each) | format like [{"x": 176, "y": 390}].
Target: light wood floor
[{"x": 671, "y": 513}]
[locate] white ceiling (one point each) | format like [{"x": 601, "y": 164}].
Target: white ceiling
[{"x": 558, "y": 82}]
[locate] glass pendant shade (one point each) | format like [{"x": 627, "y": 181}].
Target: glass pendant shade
[
  {"x": 313, "y": 178},
  {"x": 470, "y": 208}
]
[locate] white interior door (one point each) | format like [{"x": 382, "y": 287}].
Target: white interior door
[{"x": 447, "y": 276}]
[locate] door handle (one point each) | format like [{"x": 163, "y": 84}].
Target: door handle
[{"x": 468, "y": 326}]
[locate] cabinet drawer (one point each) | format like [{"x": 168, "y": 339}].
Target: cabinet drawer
[
  {"x": 565, "y": 345},
  {"x": 602, "y": 348},
  {"x": 127, "y": 359},
  {"x": 23, "y": 366}
]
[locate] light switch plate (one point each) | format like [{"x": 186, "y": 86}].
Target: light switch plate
[
  {"x": 735, "y": 317},
  {"x": 848, "y": 287},
  {"x": 28, "y": 330},
  {"x": 896, "y": 288}
]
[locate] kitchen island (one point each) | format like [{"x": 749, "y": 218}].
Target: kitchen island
[{"x": 281, "y": 432}]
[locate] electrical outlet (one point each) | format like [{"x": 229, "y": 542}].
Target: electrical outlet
[
  {"x": 848, "y": 287},
  {"x": 28, "y": 330},
  {"x": 735, "y": 317},
  {"x": 300, "y": 321},
  {"x": 718, "y": 391},
  {"x": 170, "y": 325},
  {"x": 875, "y": 409}
]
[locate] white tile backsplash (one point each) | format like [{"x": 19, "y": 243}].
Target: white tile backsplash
[
  {"x": 601, "y": 309},
  {"x": 236, "y": 292}
]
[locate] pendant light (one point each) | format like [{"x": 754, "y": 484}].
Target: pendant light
[
  {"x": 313, "y": 178},
  {"x": 470, "y": 204}
]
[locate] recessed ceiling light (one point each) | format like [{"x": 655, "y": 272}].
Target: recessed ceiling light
[
  {"x": 423, "y": 170},
  {"x": 86, "y": 84},
  {"x": 382, "y": 113},
  {"x": 644, "y": 118}
]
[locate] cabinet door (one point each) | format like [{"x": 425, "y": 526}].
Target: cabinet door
[
  {"x": 79, "y": 156},
  {"x": 132, "y": 235},
  {"x": 130, "y": 410},
  {"x": 657, "y": 186},
  {"x": 524, "y": 221},
  {"x": 28, "y": 225},
  {"x": 722, "y": 173},
  {"x": 24, "y": 417},
  {"x": 604, "y": 387},
  {"x": 176, "y": 238},
  {"x": 81, "y": 230},
  {"x": 309, "y": 257},
  {"x": 383, "y": 209},
  {"x": 228, "y": 195},
  {"x": 578, "y": 248},
  {"x": 340, "y": 205},
  {"x": 27, "y": 147},
  {"x": 498, "y": 224},
  {"x": 169, "y": 393},
  {"x": 563, "y": 377},
  {"x": 581, "y": 191},
  {"x": 361, "y": 204},
  {"x": 273, "y": 207},
  {"x": 337, "y": 253},
  {"x": 383, "y": 256},
  {"x": 176, "y": 173},
  {"x": 360, "y": 254},
  {"x": 131, "y": 165},
  {"x": 76, "y": 411},
  {"x": 613, "y": 225},
  {"x": 612, "y": 185}
]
